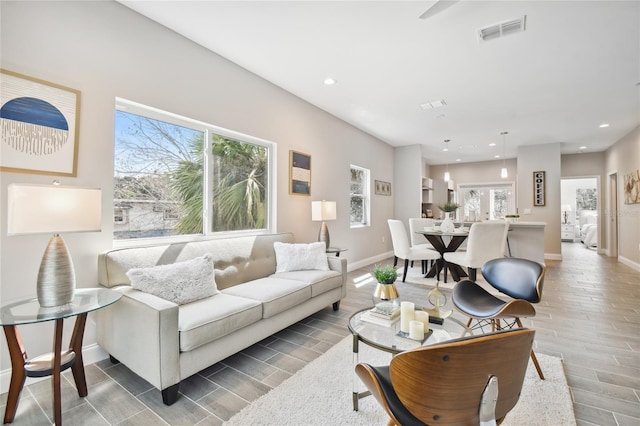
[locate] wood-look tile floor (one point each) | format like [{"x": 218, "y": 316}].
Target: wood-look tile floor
[{"x": 589, "y": 316}]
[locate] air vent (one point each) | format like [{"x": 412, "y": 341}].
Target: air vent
[
  {"x": 502, "y": 29},
  {"x": 433, "y": 104}
]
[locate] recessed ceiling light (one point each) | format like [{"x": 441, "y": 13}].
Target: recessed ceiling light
[
  {"x": 492, "y": 144},
  {"x": 603, "y": 125},
  {"x": 583, "y": 147},
  {"x": 458, "y": 160},
  {"x": 496, "y": 156},
  {"x": 330, "y": 81}
]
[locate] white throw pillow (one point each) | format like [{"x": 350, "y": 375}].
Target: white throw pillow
[
  {"x": 180, "y": 282},
  {"x": 300, "y": 257}
]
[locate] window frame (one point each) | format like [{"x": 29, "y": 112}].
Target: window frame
[
  {"x": 366, "y": 186},
  {"x": 128, "y": 106}
]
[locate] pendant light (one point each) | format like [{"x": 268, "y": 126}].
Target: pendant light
[
  {"x": 446, "y": 149},
  {"x": 503, "y": 172}
]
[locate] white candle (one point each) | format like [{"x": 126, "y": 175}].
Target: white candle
[
  {"x": 423, "y": 317},
  {"x": 416, "y": 330},
  {"x": 407, "y": 311}
]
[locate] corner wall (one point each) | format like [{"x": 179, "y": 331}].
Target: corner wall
[{"x": 105, "y": 50}]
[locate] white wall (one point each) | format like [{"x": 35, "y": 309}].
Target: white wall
[
  {"x": 623, "y": 158},
  {"x": 106, "y": 50},
  {"x": 408, "y": 187}
]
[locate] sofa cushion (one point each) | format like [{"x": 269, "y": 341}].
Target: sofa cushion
[
  {"x": 208, "y": 319},
  {"x": 299, "y": 257},
  {"x": 320, "y": 281},
  {"x": 275, "y": 294},
  {"x": 180, "y": 282}
]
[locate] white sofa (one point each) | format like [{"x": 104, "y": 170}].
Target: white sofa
[{"x": 164, "y": 342}]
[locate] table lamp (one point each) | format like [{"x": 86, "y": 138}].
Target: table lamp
[
  {"x": 38, "y": 209},
  {"x": 566, "y": 208},
  {"x": 323, "y": 210}
]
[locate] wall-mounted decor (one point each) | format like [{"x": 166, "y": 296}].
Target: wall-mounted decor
[
  {"x": 538, "y": 188},
  {"x": 632, "y": 187},
  {"x": 299, "y": 173},
  {"x": 39, "y": 122},
  {"x": 383, "y": 188}
]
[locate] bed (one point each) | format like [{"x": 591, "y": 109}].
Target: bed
[{"x": 589, "y": 228}]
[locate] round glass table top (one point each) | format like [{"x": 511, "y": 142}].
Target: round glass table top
[
  {"x": 385, "y": 337},
  {"x": 29, "y": 311}
]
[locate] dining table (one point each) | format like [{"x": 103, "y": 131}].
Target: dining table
[{"x": 437, "y": 239}]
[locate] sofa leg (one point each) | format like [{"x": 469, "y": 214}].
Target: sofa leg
[
  {"x": 113, "y": 359},
  {"x": 336, "y": 306},
  {"x": 170, "y": 394}
]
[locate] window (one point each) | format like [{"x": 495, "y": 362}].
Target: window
[
  {"x": 175, "y": 177},
  {"x": 487, "y": 201},
  {"x": 359, "y": 196}
]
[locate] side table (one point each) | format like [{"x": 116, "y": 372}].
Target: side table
[
  {"x": 29, "y": 311},
  {"x": 335, "y": 250}
]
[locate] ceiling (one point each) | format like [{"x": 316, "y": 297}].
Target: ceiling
[{"x": 574, "y": 67}]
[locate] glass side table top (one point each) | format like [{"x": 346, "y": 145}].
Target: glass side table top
[
  {"x": 29, "y": 311},
  {"x": 384, "y": 338}
]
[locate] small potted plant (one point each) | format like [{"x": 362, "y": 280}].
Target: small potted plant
[
  {"x": 449, "y": 207},
  {"x": 385, "y": 296}
]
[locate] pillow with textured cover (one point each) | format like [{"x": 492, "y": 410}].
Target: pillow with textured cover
[
  {"x": 180, "y": 282},
  {"x": 300, "y": 257}
]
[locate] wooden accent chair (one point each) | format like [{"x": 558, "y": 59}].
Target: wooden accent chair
[
  {"x": 462, "y": 382},
  {"x": 519, "y": 279},
  {"x": 403, "y": 250},
  {"x": 486, "y": 241}
]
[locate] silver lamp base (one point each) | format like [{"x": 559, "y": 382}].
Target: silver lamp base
[
  {"x": 323, "y": 235},
  {"x": 56, "y": 277}
]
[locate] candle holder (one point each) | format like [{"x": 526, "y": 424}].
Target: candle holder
[{"x": 437, "y": 299}]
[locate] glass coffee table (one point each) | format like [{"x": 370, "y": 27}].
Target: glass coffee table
[{"x": 385, "y": 338}]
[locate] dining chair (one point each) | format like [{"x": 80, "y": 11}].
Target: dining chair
[
  {"x": 520, "y": 280},
  {"x": 486, "y": 241},
  {"x": 403, "y": 250},
  {"x": 418, "y": 240},
  {"x": 475, "y": 380}
]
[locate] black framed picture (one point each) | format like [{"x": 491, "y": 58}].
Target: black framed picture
[
  {"x": 538, "y": 188},
  {"x": 299, "y": 173}
]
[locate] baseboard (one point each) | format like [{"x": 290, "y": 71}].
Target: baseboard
[
  {"x": 553, "y": 256},
  {"x": 630, "y": 263},
  {"x": 90, "y": 354},
  {"x": 352, "y": 266}
]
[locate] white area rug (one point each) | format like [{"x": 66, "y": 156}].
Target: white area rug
[{"x": 321, "y": 394}]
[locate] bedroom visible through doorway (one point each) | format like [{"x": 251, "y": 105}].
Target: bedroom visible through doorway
[{"x": 579, "y": 211}]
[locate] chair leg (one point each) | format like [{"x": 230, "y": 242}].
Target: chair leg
[
  {"x": 406, "y": 268},
  {"x": 412, "y": 263},
  {"x": 533, "y": 355},
  {"x": 472, "y": 274},
  {"x": 395, "y": 261}
]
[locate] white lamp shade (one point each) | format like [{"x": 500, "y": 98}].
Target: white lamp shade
[
  {"x": 566, "y": 207},
  {"x": 323, "y": 210},
  {"x": 36, "y": 209},
  {"x": 504, "y": 173}
]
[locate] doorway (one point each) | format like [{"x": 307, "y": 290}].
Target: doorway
[
  {"x": 612, "y": 218},
  {"x": 580, "y": 207}
]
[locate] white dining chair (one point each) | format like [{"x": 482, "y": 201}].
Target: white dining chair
[
  {"x": 402, "y": 248},
  {"x": 486, "y": 241},
  {"x": 419, "y": 224}
]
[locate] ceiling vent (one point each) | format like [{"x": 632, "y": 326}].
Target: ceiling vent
[{"x": 511, "y": 26}]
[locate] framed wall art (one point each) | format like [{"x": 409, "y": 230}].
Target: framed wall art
[
  {"x": 632, "y": 187},
  {"x": 538, "y": 188},
  {"x": 382, "y": 188},
  {"x": 299, "y": 173},
  {"x": 39, "y": 122}
]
